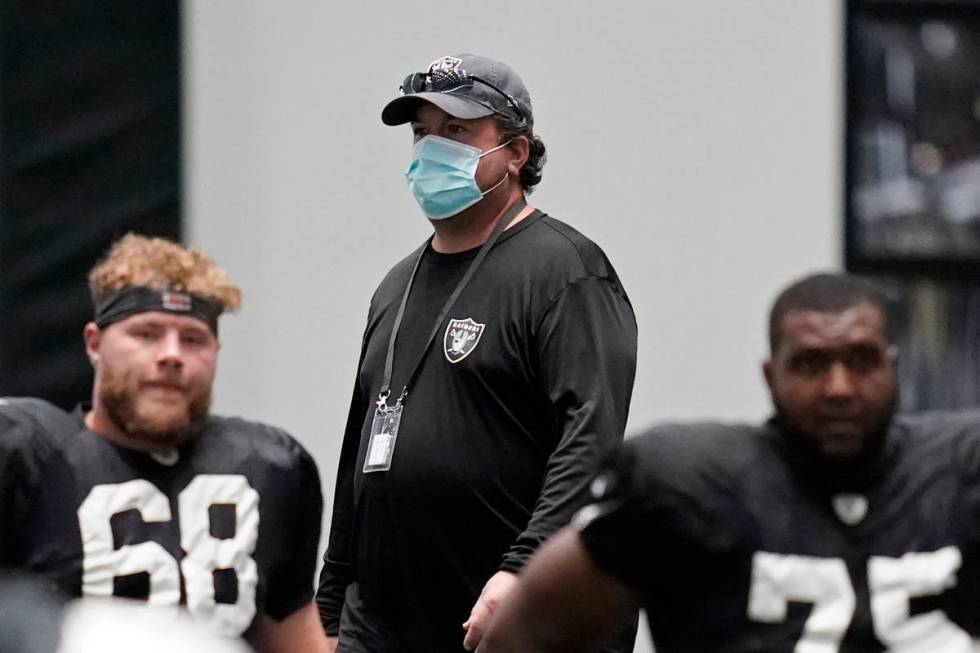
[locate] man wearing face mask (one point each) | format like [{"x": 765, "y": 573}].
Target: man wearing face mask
[{"x": 495, "y": 369}]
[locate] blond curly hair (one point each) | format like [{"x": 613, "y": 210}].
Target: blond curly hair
[{"x": 160, "y": 264}]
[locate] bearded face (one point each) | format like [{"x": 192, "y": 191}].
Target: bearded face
[
  {"x": 832, "y": 379},
  {"x": 143, "y": 416},
  {"x": 154, "y": 372}
]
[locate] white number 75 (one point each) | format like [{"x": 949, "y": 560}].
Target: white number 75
[{"x": 777, "y": 579}]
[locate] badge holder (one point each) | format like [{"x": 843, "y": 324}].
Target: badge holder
[{"x": 384, "y": 432}]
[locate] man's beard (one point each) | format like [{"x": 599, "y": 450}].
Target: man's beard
[
  {"x": 169, "y": 425},
  {"x": 810, "y": 442}
]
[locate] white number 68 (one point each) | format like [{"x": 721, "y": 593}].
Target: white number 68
[{"x": 204, "y": 553}]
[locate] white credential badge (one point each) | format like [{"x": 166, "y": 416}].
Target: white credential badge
[
  {"x": 384, "y": 434},
  {"x": 461, "y": 338}
]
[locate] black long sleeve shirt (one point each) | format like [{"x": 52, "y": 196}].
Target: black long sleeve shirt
[{"x": 494, "y": 449}]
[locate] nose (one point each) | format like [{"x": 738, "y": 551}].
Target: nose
[
  {"x": 171, "y": 353},
  {"x": 839, "y": 381}
]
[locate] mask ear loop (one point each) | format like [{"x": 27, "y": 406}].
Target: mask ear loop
[
  {"x": 494, "y": 149},
  {"x": 483, "y": 193},
  {"x": 494, "y": 187}
]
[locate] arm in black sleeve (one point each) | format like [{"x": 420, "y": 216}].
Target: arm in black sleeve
[
  {"x": 336, "y": 573},
  {"x": 13, "y": 436},
  {"x": 291, "y": 585},
  {"x": 29, "y": 429},
  {"x": 586, "y": 345}
]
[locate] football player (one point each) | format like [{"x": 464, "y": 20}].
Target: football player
[
  {"x": 834, "y": 526},
  {"x": 30, "y": 430},
  {"x": 152, "y": 497}
]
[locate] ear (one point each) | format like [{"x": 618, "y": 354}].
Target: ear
[
  {"x": 520, "y": 150},
  {"x": 767, "y": 372},
  {"x": 92, "y": 335}
]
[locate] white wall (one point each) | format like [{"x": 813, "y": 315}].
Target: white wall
[{"x": 697, "y": 142}]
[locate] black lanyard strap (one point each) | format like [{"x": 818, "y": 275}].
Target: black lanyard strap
[{"x": 482, "y": 254}]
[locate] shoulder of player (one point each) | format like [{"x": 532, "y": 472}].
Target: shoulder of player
[
  {"x": 271, "y": 442},
  {"x": 32, "y": 422},
  {"x": 677, "y": 451},
  {"x": 940, "y": 433}
]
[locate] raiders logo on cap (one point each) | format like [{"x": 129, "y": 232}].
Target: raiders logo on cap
[{"x": 445, "y": 64}]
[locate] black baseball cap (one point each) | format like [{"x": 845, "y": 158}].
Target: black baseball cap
[{"x": 464, "y": 86}]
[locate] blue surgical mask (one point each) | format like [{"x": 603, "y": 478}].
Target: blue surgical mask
[{"x": 442, "y": 176}]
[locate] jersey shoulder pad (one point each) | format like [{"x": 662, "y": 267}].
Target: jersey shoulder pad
[
  {"x": 696, "y": 443},
  {"x": 274, "y": 444},
  {"x": 942, "y": 437},
  {"x": 26, "y": 420},
  {"x": 684, "y": 459}
]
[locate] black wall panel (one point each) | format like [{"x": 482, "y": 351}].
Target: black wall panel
[{"x": 89, "y": 150}]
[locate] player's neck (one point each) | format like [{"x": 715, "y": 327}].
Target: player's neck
[
  {"x": 472, "y": 227},
  {"x": 98, "y": 421}
]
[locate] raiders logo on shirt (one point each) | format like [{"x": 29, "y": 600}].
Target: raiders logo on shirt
[{"x": 461, "y": 338}]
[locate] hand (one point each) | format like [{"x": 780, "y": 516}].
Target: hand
[
  {"x": 495, "y": 591},
  {"x": 331, "y": 644}
]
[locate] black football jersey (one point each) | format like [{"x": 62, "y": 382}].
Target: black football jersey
[
  {"x": 228, "y": 526},
  {"x": 733, "y": 544},
  {"x": 30, "y": 429}
]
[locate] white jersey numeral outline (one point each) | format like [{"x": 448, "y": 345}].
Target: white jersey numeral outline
[
  {"x": 893, "y": 581},
  {"x": 779, "y": 578},
  {"x": 204, "y": 553}
]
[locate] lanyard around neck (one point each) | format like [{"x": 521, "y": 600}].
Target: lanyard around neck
[{"x": 474, "y": 264}]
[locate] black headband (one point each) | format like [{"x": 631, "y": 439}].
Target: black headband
[{"x": 130, "y": 300}]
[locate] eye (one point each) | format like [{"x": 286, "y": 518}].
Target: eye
[
  {"x": 809, "y": 363},
  {"x": 418, "y": 133},
  {"x": 454, "y": 129},
  {"x": 194, "y": 339},
  {"x": 864, "y": 359},
  {"x": 142, "y": 333}
]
